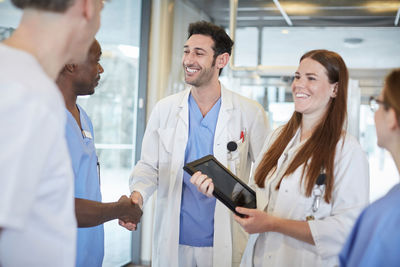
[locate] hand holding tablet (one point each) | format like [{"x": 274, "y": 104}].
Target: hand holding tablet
[{"x": 220, "y": 182}]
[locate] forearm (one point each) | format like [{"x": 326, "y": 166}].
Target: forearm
[
  {"x": 92, "y": 213},
  {"x": 297, "y": 229}
]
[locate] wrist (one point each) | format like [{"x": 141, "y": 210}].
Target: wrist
[
  {"x": 118, "y": 209},
  {"x": 274, "y": 224}
]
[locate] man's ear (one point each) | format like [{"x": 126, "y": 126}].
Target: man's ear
[
  {"x": 222, "y": 60},
  {"x": 88, "y": 8},
  {"x": 70, "y": 68}
]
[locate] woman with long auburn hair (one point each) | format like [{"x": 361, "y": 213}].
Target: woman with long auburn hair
[
  {"x": 375, "y": 239},
  {"x": 311, "y": 179}
]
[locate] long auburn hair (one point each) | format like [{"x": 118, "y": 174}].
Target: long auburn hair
[
  {"x": 391, "y": 93},
  {"x": 319, "y": 150}
]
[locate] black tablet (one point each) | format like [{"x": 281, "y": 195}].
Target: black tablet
[{"x": 229, "y": 189}]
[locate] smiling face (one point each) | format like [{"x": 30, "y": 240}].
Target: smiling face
[
  {"x": 87, "y": 74},
  {"x": 198, "y": 61},
  {"x": 311, "y": 89}
]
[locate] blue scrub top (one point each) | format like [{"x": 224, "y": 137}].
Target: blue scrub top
[
  {"x": 90, "y": 246},
  {"x": 375, "y": 238},
  {"x": 197, "y": 210}
]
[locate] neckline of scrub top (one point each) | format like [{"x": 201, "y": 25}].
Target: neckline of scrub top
[
  {"x": 211, "y": 114},
  {"x": 85, "y": 126}
]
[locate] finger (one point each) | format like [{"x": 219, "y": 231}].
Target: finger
[
  {"x": 194, "y": 177},
  {"x": 202, "y": 178},
  {"x": 134, "y": 199},
  {"x": 198, "y": 178},
  {"x": 125, "y": 225},
  {"x": 210, "y": 189},
  {"x": 130, "y": 226},
  {"x": 239, "y": 219},
  {"x": 245, "y": 211},
  {"x": 204, "y": 185},
  {"x": 137, "y": 198}
]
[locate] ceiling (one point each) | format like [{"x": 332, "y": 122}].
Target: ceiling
[
  {"x": 304, "y": 13},
  {"x": 365, "y": 33}
]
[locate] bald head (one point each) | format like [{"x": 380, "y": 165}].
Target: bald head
[{"x": 48, "y": 5}]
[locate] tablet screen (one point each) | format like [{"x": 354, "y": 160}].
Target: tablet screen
[{"x": 227, "y": 188}]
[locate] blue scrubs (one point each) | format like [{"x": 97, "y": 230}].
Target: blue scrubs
[
  {"x": 90, "y": 247},
  {"x": 197, "y": 210},
  {"x": 375, "y": 239}
]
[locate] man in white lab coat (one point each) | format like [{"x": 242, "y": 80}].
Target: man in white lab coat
[{"x": 191, "y": 229}]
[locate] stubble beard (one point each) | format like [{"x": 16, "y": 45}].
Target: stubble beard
[{"x": 204, "y": 77}]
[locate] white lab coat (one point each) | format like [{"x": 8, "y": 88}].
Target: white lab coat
[
  {"x": 333, "y": 221},
  {"x": 162, "y": 160}
]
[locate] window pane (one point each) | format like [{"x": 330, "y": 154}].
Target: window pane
[{"x": 246, "y": 46}]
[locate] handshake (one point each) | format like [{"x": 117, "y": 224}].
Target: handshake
[
  {"x": 136, "y": 200},
  {"x": 129, "y": 212},
  {"x": 92, "y": 213}
]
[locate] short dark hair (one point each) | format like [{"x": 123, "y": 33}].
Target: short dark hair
[
  {"x": 47, "y": 5},
  {"x": 222, "y": 42}
]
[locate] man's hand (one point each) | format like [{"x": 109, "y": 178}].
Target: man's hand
[
  {"x": 203, "y": 183},
  {"x": 130, "y": 212},
  {"x": 136, "y": 199}
]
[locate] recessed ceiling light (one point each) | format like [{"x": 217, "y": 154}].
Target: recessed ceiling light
[
  {"x": 353, "y": 41},
  {"x": 285, "y": 31}
]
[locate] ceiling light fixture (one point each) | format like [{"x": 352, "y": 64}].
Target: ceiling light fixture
[
  {"x": 382, "y": 6},
  {"x": 353, "y": 42},
  {"x": 284, "y": 15}
]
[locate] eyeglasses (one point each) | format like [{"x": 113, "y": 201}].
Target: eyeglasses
[{"x": 374, "y": 103}]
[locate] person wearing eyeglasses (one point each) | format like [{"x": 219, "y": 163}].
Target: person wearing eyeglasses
[
  {"x": 311, "y": 178},
  {"x": 77, "y": 80},
  {"x": 375, "y": 239}
]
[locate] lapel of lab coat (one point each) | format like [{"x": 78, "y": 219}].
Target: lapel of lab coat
[
  {"x": 180, "y": 141},
  {"x": 221, "y": 130},
  {"x": 222, "y": 218}
]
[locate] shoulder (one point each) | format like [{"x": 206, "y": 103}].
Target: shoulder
[
  {"x": 273, "y": 135},
  {"x": 387, "y": 207},
  {"x": 348, "y": 144},
  {"x": 172, "y": 100},
  {"x": 382, "y": 218},
  {"x": 36, "y": 88},
  {"x": 270, "y": 139}
]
